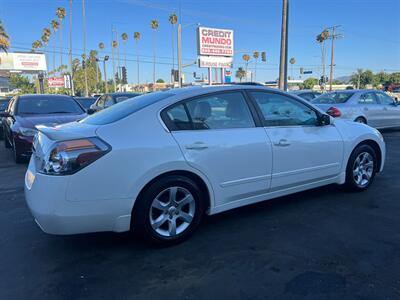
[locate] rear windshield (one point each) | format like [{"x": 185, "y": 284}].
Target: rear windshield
[
  {"x": 123, "y": 97},
  {"x": 3, "y": 104},
  {"x": 123, "y": 109},
  {"x": 333, "y": 98},
  {"x": 48, "y": 105}
]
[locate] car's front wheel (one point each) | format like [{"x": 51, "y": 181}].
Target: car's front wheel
[
  {"x": 169, "y": 210},
  {"x": 361, "y": 168}
]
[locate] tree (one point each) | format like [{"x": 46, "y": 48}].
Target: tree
[
  {"x": 159, "y": 80},
  {"x": 91, "y": 69},
  {"x": 240, "y": 73},
  {"x": 362, "y": 78},
  {"x": 154, "y": 26},
  {"x": 4, "y": 38},
  {"x": 173, "y": 18},
  {"x": 292, "y": 61},
  {"x": 246, "y": 58},
  {"x": 309, "y": 83},
  {"x": 36, "y": 45},
  {"x": 256, "y": 55},
  {"x": 136, "y": 37},
  {"x": 60, "y": 13},
  {"x": 124, "y": 37},
  {"x": 22, "y": 83},
  {"x": 54, "y": 25},
  {"x": 321, "y": 38}
]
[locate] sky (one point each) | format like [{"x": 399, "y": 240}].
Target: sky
[{"x": 370, "y": 32}]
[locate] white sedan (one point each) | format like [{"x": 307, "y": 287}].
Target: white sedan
[{"x": 155, "y": 164}]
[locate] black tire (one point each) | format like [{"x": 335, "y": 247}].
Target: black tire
[
  {"x": 6, "y": 142},
  {"x": 351, "y": 182},
  {"x": 360, "y": 120},
  {"x": 18, "y": 158},
  {"x": 141, "y": 220}
]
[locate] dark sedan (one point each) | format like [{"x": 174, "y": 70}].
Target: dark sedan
[
  {"x": 25, "y": 112},
  {"x": 108, "y": 100}
]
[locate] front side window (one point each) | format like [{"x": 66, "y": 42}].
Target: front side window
[
  {"x": 280, "y": 110},
  {"x": 367, "y": 98},
  {"x": 109, "y": 101},
  {"x": 220, "y": 111},
  {"x": 384, "y": 99}
]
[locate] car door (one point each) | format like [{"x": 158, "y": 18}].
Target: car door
[
  {"x": 10, "y": 120},
  {"x": 370, "y": 108},
  {"x": 303, "y": 151},
  {"x": 390, "y": 111},
  {"x": 218, "y": 136}
]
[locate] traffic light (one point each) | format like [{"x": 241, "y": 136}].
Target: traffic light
[
  {"x": 124, "y": 76},
  {"x": 301, "y": 70},
  {"x": 83, "y": 64},
  {"x": 194, "y": 75},
  {"x": 263, "y": 56}
]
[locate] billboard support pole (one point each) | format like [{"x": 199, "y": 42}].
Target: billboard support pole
[
  {"x": 209, "y": 76},
  {"x": 41, "y": 85}
]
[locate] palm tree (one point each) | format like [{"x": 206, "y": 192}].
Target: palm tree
[
  {"x": 124, "y": 37},
  {"x": 114, "y": 45},
  {"x": 136, "y": 37},
  {"x": 4, "y": 38},
  {"x": 292, "y": 61},
  {"x": 36, "y": 45},
  {"x": 321, "y": 38},
  {"x": 256, "y": 55},
  {"x": 173, "y": 18},
  {"x": 60, "y": 13},
  {"x": 55, "y": 25},
  {"x": 240, "y": 73},
  {"x": 45, "y": 39},
  {"x": 246, "y": 58},
  {"x": 154, "y": 26}
]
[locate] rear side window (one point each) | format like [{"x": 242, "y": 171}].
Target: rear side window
[
  {"x": 367, "y": 98},
  {"x": 333, "y": 98},
  {"x": 123, "y": 109},
  {"x": 217, "y": 111}
]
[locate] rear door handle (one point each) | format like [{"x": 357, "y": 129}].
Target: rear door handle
[
  {"x": 196, "y": 146},
  {"x": 282, "y": 143}
]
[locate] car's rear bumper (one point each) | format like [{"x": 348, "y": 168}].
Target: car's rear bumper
[{"x": 45, "y": 196}]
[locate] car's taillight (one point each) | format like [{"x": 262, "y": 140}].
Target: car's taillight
[
  {"x": 68, "y": 157},
  {"x": 334, "y": 112}
]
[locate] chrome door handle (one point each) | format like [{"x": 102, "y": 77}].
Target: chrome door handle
[
  {"x": 282, "y": 143},
  {"x": 196, "y": 146}
]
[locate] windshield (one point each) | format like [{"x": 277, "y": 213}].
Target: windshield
[
  {"x": 48, "y": 105},
  {"x": 123, "y": 109},
  {"x": 333, "y": 98},
  {"x": 3, "y": 104}
]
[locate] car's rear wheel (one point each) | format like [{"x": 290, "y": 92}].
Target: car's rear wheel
[
  {"x": 18, "y": 158},
  {"x": 6, "y": 142},
  {"x": 360, "y": 120},
  {"x": 169, "y": 210},
  {"x": 361, "y": 168}
]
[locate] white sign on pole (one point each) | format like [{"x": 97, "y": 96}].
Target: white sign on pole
[
  {"x": 67, "y": 81},
  {"x": 55, "y": 82},
  {"x": 214, "y": 41},
  {"x": 215, "y": 62},
  {"x": 25, "y": 62}
]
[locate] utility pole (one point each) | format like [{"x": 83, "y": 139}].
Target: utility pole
[
  {"x": 113, "y": 58},
  {"x": 70, "y": 48},
  {"x": 284, "y": 46},
  {"x": 105, "y": 73},
  {"x": 333, "y": 36},
  {"x": 84, "y": 46},
  {"x": 180, "y": 54}
]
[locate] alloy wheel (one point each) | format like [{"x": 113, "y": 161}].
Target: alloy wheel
[
  {"x": 363, "y": 169},
  {"x": 172, "y": 211}
]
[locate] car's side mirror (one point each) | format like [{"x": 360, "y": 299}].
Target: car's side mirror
[
  {"x": 4, "y": 114},
  {"x": 90, "y": 111},
  {"x": 324, "y": 120}
]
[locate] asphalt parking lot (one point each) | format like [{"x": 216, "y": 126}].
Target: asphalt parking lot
[{"x": 320, "y": 244}]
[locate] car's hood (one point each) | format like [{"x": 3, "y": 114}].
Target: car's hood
[{"x": 31, "y": 121}]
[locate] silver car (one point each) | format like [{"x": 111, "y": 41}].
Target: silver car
[{"x": 371, "y": 107}]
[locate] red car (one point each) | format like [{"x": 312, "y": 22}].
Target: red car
[{"x": 25, "y": 112}]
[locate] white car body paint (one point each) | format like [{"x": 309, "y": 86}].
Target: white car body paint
[{"x": 238, "y": 166}]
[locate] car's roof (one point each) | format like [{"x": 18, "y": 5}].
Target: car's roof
[
  {"x": 303, "y": 91},
  {"x": 204, "y": 89},
  {"x": 44, "y": 96}
]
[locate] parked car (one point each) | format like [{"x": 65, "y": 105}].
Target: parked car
[
  {"x": 3, "y": 105},
  {"x": 306, "y": 94},
  {"x": 169, "y": 157},
  {"x": 108, "y": 100},
  {"x": 25, "y": 112},
  {"x": 371, "y": 107},
  {"x": 86, "y": 102}
]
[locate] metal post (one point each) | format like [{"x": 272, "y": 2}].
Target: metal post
[
  {"x": 209, "y": 76},
  {"x": 180, "y": 54},
  {"x": 105, "y": 76},
  {"x": 70, "y": 48},
  {"x": 113, "y": 59},
  {"x": 283, "y": 52},
  {"x": 97, "y": 75},
  {"x": 84, "y": 46},
  {"x": 332, "y": 58}
]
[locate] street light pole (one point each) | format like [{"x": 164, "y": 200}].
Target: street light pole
[
  {"x": 84, "y": 46},
  {"x": 284, "y": 46},
  {"x": 180, "y": 54},
  {"x": 70, "y": 48},
  {"x": 105, "y": 73}
]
